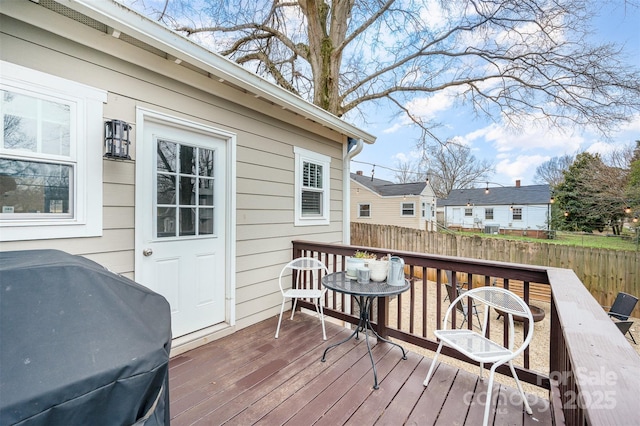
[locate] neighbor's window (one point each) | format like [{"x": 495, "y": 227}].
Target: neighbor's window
[
  {"x": 408, "y": 209},
  {"x": 488, "y": 213},
  {"x": 49, "y": 145},
  {"x": 311, "y": 187},
  {"x": 468, "y": 211},
  {"x": 517, "y": 213},
  {"x": 364, "y": 210},
  {"x": 424, "y": 210}
]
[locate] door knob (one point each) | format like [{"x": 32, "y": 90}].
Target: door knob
[{"x": 147, "y": 252}]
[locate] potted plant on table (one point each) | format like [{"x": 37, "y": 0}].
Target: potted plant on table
[{"x": 379, "y": 268}]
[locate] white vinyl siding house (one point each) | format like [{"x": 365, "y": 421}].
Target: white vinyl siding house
[
  {"x": 382, "y": 202},
  {"x": 522, "y": 210},
  {"x": 104, "y": 62}
]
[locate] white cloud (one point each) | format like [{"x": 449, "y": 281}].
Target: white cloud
[
  {"x": 394, "y": 128},
  {"x": 504, "y": 139},
  {"x": 632, "y": 126},
  {"x": 427, "y": 107},
  {"x": 521, "y": 167}
]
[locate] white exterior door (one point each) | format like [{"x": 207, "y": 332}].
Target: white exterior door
[{"x": 180, "y": 222}]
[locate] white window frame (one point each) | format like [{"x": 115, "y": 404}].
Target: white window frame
[
  {"x": 468, "y": 212},
  {"x": 360, "y": 205},
  {"x": 486, "y": 213},
  {"x": 513, "y": 213},
  {"x": 301, "y": 156},
  {"x": 87, "y": 140},
  {"x": 413, "y": 209}
]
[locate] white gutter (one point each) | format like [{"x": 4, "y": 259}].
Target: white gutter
[{"x": 346, "y": 190}]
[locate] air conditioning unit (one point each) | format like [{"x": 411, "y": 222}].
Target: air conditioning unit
[{"x": 491, "y": 229}]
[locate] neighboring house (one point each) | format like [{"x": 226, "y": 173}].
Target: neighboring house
[
  {"x": 518, "y": 210},
  {"x": 226, "y": 169},
  {"x": 410, "y": 205}
]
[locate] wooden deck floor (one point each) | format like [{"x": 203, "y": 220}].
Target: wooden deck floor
[{"x": 251, "y": 378}]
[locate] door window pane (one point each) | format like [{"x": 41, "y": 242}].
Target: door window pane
[
  {"x": 205, "y": 162},
  {"x": 185, "y": 191},
  {"x": 187, "y": 221},
  {"x": 205, "y": 225},
  {"x": 187, "y": 160},
  {"x": 166, "y": 189},
  {"x": 166, "y": 217},
  {"x": 167, "y": 158},
  {"x": 205, "y": 192}
]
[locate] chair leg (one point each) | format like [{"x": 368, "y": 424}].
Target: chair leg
[
  {"x": 433, "y": 365},
  {"x": 524, "y": 398},
  {"x": 631, "y": 334},
  {"x": 293, "y": 308},
  {"x": 324, "y": 332},
  {"x": 284, "y": 300},
  {"x": 487, "y": 405}
]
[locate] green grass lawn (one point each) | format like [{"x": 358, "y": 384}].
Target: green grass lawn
[{"x": 574, "y": 239}]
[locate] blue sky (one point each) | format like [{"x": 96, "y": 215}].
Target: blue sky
[{"x": 515, "y": 155}]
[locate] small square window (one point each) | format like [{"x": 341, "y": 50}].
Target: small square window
[
  {"x": 468, "y": 212},
  {"x": 408, "y": 209},
  {"x": 517, "y": 213},
  {"x": 488, "y": 213},
  {"x": 364, "y": 210}
]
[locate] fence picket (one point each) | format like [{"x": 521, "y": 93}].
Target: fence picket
[{"x": 603, "y": 272}]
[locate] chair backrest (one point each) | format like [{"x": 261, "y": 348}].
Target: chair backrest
[
  {"x": 501, "y": 299},
  {"x": 453, "y": 294},
  {"x": 298, "y": 266},
  {"x": 623, "y": 306}
]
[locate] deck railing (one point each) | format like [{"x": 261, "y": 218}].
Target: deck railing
[{"x": 575, "y": 395}]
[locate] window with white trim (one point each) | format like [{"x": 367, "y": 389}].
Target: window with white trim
[
  {"x": 488, "y": 213},
  {"x": 468, "y": 211},
  {"x": 517, "y": 213},
  {"x": 50, "y": 156},
  {"x": 408, "y": 209},
  {"x": 312, "y": 187},
  {"x": 364, "y": 210}
]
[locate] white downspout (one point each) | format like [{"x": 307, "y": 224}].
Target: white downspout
[{"x": 346, "y": 190}]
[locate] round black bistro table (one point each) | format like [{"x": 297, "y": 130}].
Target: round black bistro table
[{"x": 365, "y": 294}]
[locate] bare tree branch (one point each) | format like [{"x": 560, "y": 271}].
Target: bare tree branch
[{"x": 514, "y": 59}]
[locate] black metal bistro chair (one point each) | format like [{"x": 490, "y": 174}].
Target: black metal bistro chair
[{"x": 620, "y": 312}]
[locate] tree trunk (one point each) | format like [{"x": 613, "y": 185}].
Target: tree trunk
[{"x": 325, "y": 54}]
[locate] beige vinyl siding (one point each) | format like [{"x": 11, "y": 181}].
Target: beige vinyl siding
[
  {"x": 264, "y": 156},
  {"x": 384, "y": 210}
]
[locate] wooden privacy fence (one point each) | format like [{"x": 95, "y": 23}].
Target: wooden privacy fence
[{"x": 603, "y": 272}]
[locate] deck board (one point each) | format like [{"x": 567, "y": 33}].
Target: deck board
[{"x": 251, "y": 378}]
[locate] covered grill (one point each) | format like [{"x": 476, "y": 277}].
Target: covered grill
[{"x": 79, "y": 344}]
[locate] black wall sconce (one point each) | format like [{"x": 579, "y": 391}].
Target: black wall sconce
[{"x": 116, "y": 139}]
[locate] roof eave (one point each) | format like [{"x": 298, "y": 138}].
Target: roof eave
[{"x": 125, "y": 20}]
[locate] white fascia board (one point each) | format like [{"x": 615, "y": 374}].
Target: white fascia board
[{"x": 123, "y": 19}]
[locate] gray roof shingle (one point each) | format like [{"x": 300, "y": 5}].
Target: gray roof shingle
[
  {"x": 385, "y": 188},
  {"x": 530, "y": 194}
]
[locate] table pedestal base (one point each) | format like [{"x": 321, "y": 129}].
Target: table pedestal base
[{"x": 364, "y": 324}]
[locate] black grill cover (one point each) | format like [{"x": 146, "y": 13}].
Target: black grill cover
[{"x": 80, "y": 345}]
